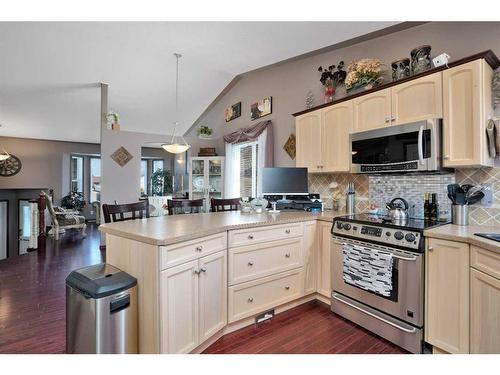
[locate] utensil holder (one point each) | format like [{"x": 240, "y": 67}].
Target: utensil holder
[
  {"x": 350, "y": 204},
  {"x": 460, "y": 214}
]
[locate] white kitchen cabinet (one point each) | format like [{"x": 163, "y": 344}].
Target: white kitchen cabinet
[
  {"x": 324, "y": 259},
  {"x": 193, "y": 302},
  {"x": 372, "y": 111},
  {"x": 311, "y": 251}
]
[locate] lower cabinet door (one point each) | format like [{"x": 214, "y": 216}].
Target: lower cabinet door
[
  {"x": 213, "y": 294},
  {"x": 324, "y": 261},
  {"x": 447, "y": 295},
  {"x": 310, "y": 254},
  {"x": 179, "y": 308},
  {"x": 484, "y": 313}
]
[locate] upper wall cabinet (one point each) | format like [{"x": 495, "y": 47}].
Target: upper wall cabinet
[
  {"x": 372, "y": 111},
  {"x": 323, "y": 139},
  {"x": 308, "y": 136},
  {"x": 417, "y": 100},
  {"x": 466, "y": 107},
  {"x": 336, "y": 128}
]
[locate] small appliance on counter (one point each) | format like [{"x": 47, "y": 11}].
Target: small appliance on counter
[{"x": 350, "y": 199}]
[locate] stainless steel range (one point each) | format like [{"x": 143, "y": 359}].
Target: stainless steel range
[{"x": 378, "y": 276}]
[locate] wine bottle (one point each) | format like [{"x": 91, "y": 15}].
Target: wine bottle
[{"x": 426, "y": 207}]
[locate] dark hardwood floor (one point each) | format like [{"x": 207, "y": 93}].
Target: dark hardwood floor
[
  {"x": 32, "y": 293},
  {"x": 307, "y": 329},
  {"x": 32, "y": 310}
]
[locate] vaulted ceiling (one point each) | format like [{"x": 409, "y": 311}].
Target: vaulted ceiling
[{"x": 49, "y": 72}]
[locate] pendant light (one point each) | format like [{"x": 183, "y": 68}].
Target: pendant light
[{"x": 177, "y": 144}]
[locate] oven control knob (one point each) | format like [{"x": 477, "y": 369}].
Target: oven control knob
[
  {"x": 410, "y": 237},
  {"x": 399, "y": 235},
  {"x": 347, "y": 226},
  {"x": 340, "y": 225}
]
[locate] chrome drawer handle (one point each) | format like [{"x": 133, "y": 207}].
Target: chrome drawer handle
[
  {"x": 287, "y": 231},
  {"x": 287, "y": 287},
  {"x": 199, "y": 248},
  {"x": 250, "y": 236},
  {"x": 287, "y": 255},
  {"x": 250, "y": 264},
  {"x": 250, "y": 299}
]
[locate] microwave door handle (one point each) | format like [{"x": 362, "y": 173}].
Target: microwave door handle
[{"x": 421, "y": 145}]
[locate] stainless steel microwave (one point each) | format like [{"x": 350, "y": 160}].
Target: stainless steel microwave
[{"x": 413, "y": 147}]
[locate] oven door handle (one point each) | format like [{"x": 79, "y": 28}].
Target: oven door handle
[
  {"x": 404, "y": 329},
  {"x": 421, "y": 145},
  {"x": 410, "y": 258}
]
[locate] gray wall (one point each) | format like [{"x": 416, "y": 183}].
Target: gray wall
[
  {"x": 45, "y": 164},
  {"x": 289, "y": 83}
]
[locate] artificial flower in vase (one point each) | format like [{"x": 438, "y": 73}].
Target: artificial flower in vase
[
  {"x": 331, "y": 78},
  {"x": 364, "y": 73}
]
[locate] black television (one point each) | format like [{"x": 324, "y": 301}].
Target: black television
[{"x": 285, "y": 181}]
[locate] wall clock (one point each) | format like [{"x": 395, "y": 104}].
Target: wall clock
[{"x": 10, "y": 166}]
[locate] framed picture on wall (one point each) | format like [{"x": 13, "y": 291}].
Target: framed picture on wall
[
  {"x": 232, "y": 112},
  {"x": 261, "y": 108}
]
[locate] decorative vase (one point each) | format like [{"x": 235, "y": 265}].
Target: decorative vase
[
  {"x": 329, "y": 94},
  {"x": 420, "y": 59},
  {"x": 400, "y": 69}
]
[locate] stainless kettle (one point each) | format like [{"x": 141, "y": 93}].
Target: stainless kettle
[{"x": 398, "y": 212}]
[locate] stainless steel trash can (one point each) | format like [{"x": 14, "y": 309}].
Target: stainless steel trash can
[{"x": 101, "y": 311}]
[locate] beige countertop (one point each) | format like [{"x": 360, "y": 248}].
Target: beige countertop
[
  {"x": 466, "y": 234},
  {"x": 166, "y": 230}
]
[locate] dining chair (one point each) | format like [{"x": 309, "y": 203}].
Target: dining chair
[
  {"x": 184, "y": 206},
  {"x": 220, "y": 205},
  {"x": 127, "y": 211}
]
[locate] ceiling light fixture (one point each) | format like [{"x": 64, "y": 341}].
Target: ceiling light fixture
[
  {"x": 177, "y": 144},
  {"x": 4, "y": 155}
]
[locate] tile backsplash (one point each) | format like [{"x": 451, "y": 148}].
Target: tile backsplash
[{"x": 379, "y": 189}]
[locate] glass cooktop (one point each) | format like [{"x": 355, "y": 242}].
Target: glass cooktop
[{"x": 411, "y": 224}]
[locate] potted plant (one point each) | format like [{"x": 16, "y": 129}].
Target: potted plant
[
  {"x": 73, "y": 201},
  {"x": 161, "y": 182},
  {"x": 113, "y": 120},
  {"x": 204, "y": 132}
]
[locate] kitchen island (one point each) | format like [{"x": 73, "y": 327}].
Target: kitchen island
[{"x": 201, "y": 276}]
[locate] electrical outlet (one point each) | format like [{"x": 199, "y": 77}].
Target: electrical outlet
[
  {"x": 487, "y": 201},
  {"x": 91, "y": 212}
]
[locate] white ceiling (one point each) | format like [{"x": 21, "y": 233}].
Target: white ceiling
[{"x": 49, "y": 72}]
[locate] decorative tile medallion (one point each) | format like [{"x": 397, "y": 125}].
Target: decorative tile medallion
[{"x": 121, "y": 156}]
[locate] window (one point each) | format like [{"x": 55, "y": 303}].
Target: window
[
  {"x": 77, "y": 174},
  {"x": 245, "y": 164},
  {"x": 157, "y": 164},
  {"x": 144, "y": 177},
  {"x": 95, "y": 179}
]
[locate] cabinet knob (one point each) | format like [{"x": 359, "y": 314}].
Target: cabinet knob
[
  {"x": 250, "y": 299},
  {"x": 197, "y": 272},
  {"x": 393, "y": 118},
  {"x": 287, "y": 231},
  {"x": 250, "y": 264},
  {"x": 250, "y": 236},
  {"x": 199, "y": 248},
  {"x": 203, "y": 269},
  {"x": 387, "y": 119},
  {"x": 287, "y": 287},
  {"x": 287, "y": 255},
  {"x": 446, "y": 157},
  {"x": 430, "y": 248}
]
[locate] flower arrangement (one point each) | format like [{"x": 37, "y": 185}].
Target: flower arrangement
[
  {"x": 113, "y": 120},
  {"x": 205, "y": 131},
  {"x": 364, "y": 72},
  {"x": 331, "y": 79},
  {"x": 73, "y": 201}
]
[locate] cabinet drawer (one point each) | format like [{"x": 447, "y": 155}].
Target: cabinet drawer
[
  {"x": 251, "y": 262},
  {"x": 173, "y": 255},
  {"x": 242, "y": 237},
  {"x": 486, "y": 261},
  {"x": 256, "y": 296}
]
